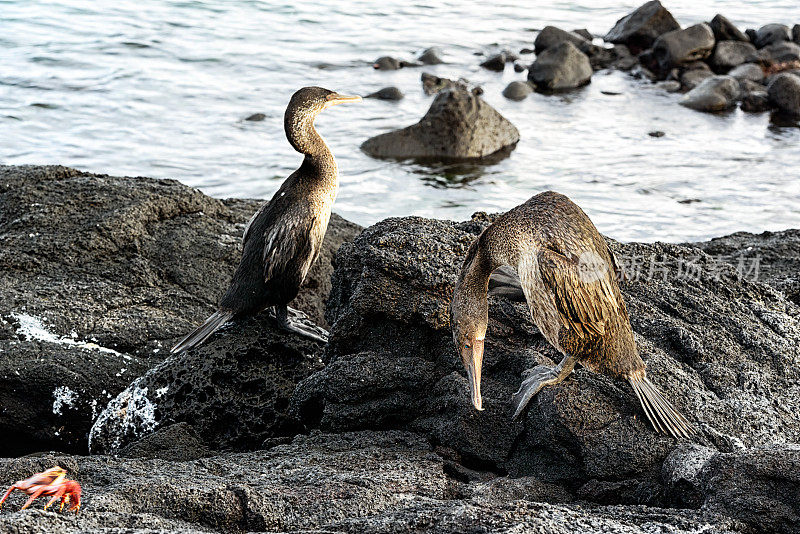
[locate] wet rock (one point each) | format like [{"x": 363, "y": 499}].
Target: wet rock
[
  {"x": 496, "y": 62},
  {"x": 640, "y": 28},
  {"x": 677, "y": 47},
  {"x": 233, "y": 390},
  {"x": 256, "y": 117},
  {"x": 796, "y": 33},
  {"x": 749, "y": 86},
  {"x": 551, "y": 36},
  {"x": 583, "y": 32},
  {"x": 692, "y": 78},
  {"x": 95, "y": 292},
  {"x": 560, "y": 68},
  {"x": 387, "y": 63},
  {"x": 517, "y": 90},
  {"x": 458, "y": 125},
  {"x": 756, "y": 102},
  {"x": 748, "y": 71},
  {"x": 624, "y": 60},
  {"x": 178, "y": 442},
  {"x": 730, "y": 54},
  {"x": 360, "y": 482},
  {"x": 720, "y": 347},
  {"x": 518, "y": 67},
  {"x": 716, "y": 93},
  {"x": 771, "y": 34},
  {"x": 784, "y": 92},
  {"x": 432, "y": 84},
  {"x": 670, "y": 86},
  {"x": 783, "y": 52},
  {"x": 759, "y": 486},
  {"x": 656, "y": 133},
  {"x": 387, "y": 93},
  {"x": 725, "y": 30},
  {"x": 431, "y": 56}
]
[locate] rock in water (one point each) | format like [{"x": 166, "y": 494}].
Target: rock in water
[
  {"x": 683, "y": 46},
  {"x": 559, "y": 68},
  {"x": 387, "y": 93},
  {"x": 748, "y": 71},
  {"x": 640, "y": 28},
  {"x": 458, "y": 125},
  {"x": 517, "y": 90},
  {"x": 431, "y": 56},
  {"x": 496, "y": 63},
  {"x": 233, "y": 390},
  {"x": 720, "y": 347},
  {"x": 784, "y": 92},
  {"x": 432, "y": 84},
  {"x": 730, "y": 54},
  {"x": 551, "y": 36},
  {"x": 725, "y": 30},
  {"x": 756, "y": 102},
  {"x": 692, "y": 78},
  {"x": 782, "y": 52},
  {"x": 716, "y": 93},
  {"x": 772, "y": 34},
  {"x": 796, "y": 33},
  {"x": 387, "y": 63}
]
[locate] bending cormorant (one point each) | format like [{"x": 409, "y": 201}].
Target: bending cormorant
[
  {"x": 284, "y": 237},
  {"x": 567, "y": 273}
]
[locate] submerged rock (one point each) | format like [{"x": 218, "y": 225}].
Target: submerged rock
[
  {"x": 560, "y": 68},
  {"x": 730, "y": 54},
  {"x": 725, "y": 30},
  {"x": 716, "y": 93},
  {"x": 387, "y": 93},
  {"x": 784, "y": 92},
  {"x": 640, "y": 28},
  {"x": 517, "y": 90},
  {"x": 95, "y": 291},
  {"x": 387, "y": 63},
  {"x": 458, "y": 125},
  {"x": 756, "y": 102},
  {"x": 496, "y": 62},
  {"x": 431, "y": 56},
  {"x": 683, "y": 46}
]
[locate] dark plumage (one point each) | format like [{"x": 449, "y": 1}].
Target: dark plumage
[
  {"x": 568, "y": 277},
  {"x": 283, "y": 238}
]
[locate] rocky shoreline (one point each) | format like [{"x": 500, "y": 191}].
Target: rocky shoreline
[{"x": 261, "y": 431}]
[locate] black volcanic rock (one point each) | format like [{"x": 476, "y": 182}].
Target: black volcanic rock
[
  {"x": 560, "y": 68},
  {"x": 772, "y": 34},
  {"x": 99, "y": 276},
  {"x": 730, "y": 54},
  {"x": 725, "y": 30},
  {"x": 551, "y": 36},
  {"x": 683, "y": 46},
  {"x": 784, "y": 92},
  {"x": 640, "y": 28},
  {"x": 458, "y": 125}
]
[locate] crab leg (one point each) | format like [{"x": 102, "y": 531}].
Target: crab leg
[
  {"x": 56, "y": 495},
  {"x": 12, "y": 488},
  {"x": 34, "y": 496}
]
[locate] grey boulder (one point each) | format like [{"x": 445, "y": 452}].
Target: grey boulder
[
  {"x": 551, "y": 36},
  {"x": 517, "y": 90},
  {"x": 782, "y": 52},
  {"x": 716, "y": 93},
  {"x": 725, "y": 30},
  {"x": 678, "y": 47},
  {"x": 431, "y": 56},
  {"x": 747, "y": 71},
  {"x": 387, "y": 93},
  {"x": 692, "y": 78},
  {"x": 458, "y": 125},
  {"x": 730, "y": 54},
  {"x": 640, "y": 28},
  {"x": 772, "y": 34},
  {"x": 560, "y": 68},
  {"x": 784, "y": 92}
]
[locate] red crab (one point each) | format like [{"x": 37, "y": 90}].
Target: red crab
[{"x": 51, "y": 482}]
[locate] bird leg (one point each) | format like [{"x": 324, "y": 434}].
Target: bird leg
[
  {"x": 298, "y": 322},
  {"x": 540, "y": 377}
]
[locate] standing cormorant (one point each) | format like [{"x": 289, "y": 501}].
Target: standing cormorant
[
  {"x": 284, "y": 237},
  {"x": 568, "y": 276}
]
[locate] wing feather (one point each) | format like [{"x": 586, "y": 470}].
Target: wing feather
[{"x": 289, "y": 244}]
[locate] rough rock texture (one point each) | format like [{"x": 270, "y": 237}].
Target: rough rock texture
[
  {"x": 730, "y": 54},
  {"x": 458, "y": 125},
  {"x": 559, "y": 68},
  {"x": 233, "y": 390},
  {"x": 345, "y": 483},
  {"x": 99, "y": 289},
  {"x": 784, "y": 92},
  {"x": 716, "y": 93},
  {"x": 432, "y": 84},
  {"x": 683, "y": 46},
  {"x": 551, "y": 36},
  {"x": 725, "y": 30},
  {"x": 772, "y": 34},
  {"x": 517, "y": 90},
  {"x": 640, "y": 28},
  {"x": 725, "y": 350}
]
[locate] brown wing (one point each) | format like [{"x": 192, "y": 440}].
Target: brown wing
[{"x": 583, "y": 290}]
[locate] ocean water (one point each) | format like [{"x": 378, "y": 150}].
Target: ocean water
[{"x": 161, "y": 88}]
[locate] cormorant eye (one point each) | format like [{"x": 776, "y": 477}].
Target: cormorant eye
[{"x": 466, "y": 345}]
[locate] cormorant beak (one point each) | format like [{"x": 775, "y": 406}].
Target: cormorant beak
[
  {"x": 473, "y": 361},
  {"x": 334, "y": 99}
]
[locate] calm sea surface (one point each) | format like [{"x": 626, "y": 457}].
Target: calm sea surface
[{"x": 161, "y": 88}]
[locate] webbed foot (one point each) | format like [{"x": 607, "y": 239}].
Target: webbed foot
[
  {"x": 538, "y": 378},
  {"x": 298, "y": 322}
]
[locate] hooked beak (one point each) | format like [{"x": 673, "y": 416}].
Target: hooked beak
[
  {"x": 335, "y": 99},
  {"x": 473, "y": 360}
]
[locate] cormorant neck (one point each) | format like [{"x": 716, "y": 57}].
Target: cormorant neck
[{"x": 303, "y": 136}]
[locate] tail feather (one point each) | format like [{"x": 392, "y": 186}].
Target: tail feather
[
  {"x": 659, "y": 411},
  {"x": 202, "y": 332}
]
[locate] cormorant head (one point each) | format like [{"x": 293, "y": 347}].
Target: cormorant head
[
  {"x": 304, "y": 107},
  {"x": 469, "y": 317}
]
